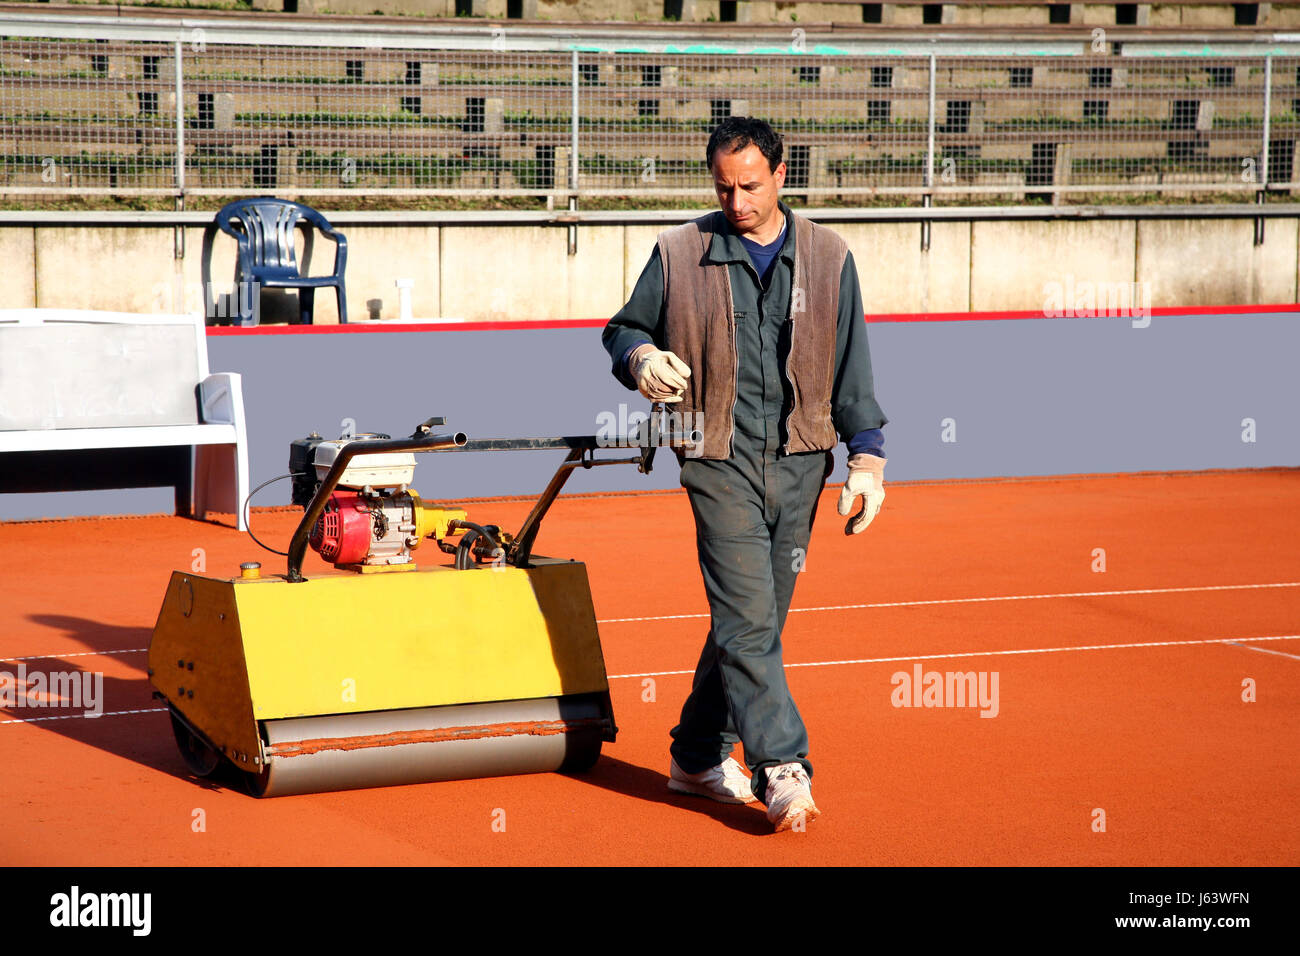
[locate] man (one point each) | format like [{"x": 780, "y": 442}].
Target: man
[{"x": 751, "y": 320}]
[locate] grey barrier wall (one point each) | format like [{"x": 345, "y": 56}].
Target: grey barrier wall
[{"x": 966, "y": 399}]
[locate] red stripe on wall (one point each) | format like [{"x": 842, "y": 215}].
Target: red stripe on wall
[
  {"x": 598, "y": 323},
  {"x": 997, "y": 316},
  {"x": 406, "y": 327}
]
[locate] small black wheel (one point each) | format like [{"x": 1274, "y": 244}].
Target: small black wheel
[
  {"x": 198, "y": 755},
  {"x": 255, "y": 784},
  {"x": 581, "y": 752}
]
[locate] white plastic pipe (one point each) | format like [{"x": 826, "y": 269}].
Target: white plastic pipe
[{"x": 404, "y": 287}]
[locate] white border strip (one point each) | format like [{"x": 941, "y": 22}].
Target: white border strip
[
  {"x": 109, "y": 713},
  {"x": 866, "y": 660},
  {"x": 1027, "y": 650},
  {"x": 828, "y": 607},
  {"x": 977, "y": 600},
  {"x": 1265, "y": 650},
  {"x": 61, "y": 657}
]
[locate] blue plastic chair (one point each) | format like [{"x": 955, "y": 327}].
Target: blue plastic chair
[{"x": 264, "y": 229}]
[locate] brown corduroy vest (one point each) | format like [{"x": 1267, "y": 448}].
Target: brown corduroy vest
[{"x": 701, "y": 330}]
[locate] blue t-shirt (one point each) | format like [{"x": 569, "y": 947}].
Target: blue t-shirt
[{"x": 764, "y": 256}]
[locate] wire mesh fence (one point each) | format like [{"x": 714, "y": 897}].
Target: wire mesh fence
[{"x": 137, "y": 117}]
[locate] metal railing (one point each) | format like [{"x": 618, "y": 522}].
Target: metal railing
[{"x": 136, "y": 113}]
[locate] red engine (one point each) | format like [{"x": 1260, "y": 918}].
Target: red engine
[{"x": 343, "y": 531}]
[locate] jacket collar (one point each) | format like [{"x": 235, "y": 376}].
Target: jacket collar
[{"x": 727, "y": 247}]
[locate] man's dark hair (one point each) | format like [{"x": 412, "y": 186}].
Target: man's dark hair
[{"x": 737, "y": 132}]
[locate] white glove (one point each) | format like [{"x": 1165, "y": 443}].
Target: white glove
[
  {"x": 660, "y": 376},
  {"x": 866, "y": 478}
]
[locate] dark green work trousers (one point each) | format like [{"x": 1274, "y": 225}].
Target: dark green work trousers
[{"x": 753, "y": 518}]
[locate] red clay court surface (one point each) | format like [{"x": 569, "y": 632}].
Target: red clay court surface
[{"x": 1119, "y": 690}]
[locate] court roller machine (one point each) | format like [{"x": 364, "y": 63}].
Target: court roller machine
[{"x": 379, "y": 672}]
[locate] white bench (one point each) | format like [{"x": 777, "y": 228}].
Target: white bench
[{"x": 75, "y": 384}]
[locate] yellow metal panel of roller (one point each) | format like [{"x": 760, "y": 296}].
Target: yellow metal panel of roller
[
  {"x": 344, "y": 643},
  {"x": 196, "y": 661}
]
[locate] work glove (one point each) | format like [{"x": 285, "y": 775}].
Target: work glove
[
  {"x": 660, "y": 376},
  {"x": 866, "y": 478}
]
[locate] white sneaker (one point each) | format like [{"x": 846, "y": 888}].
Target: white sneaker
[
  {"x": 789, "y": 796},
  {"x": 726, "y": 783}
]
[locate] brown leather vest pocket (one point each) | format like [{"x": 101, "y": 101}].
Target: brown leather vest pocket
[{"x": 814, "y": 314}]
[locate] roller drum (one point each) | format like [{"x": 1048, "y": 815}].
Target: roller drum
[{"x": 426, "y": 744}]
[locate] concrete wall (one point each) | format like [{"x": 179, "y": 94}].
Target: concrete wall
[
  {"x": 525, "y": 272},
  {"x": 18, "y": 277},
  {"x": 1232, "y": 270},
  {"x": 1010, "y": 263},
  {"x": 897, "y": 276},
  {"x": 1018, "y": 397},
  {"x": 510, "y": 271}
]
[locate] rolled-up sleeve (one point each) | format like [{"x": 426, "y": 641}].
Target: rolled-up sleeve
[
  {"x": 640, "y": 321},
  {"x": 854, "y": 408}
]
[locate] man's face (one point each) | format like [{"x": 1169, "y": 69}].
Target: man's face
[{"x": 747, "y": 189}]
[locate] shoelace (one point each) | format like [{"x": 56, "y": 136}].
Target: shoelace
[{"x": 797, "y": 774}]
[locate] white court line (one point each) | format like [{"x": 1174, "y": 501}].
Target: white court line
[
  {"x": 978, "y": 600},
  {"x": 1265, "y": 650},
  {"x": 108, "y": 713},
  {"x": 1027, "y": 650},
  {"x": 829, "y": 607},
  {"x": 864, "y": 660},
  {"x": 59, "y": 657}
]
